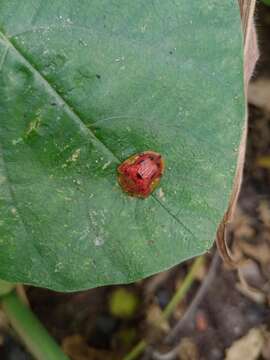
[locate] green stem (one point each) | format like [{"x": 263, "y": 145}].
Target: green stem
[
  {"x": 183, "y": 289},
  {"x": 36, "y": 338},
  {"x": 167, "y": 312},
  {"x": 136, "y": 351}
]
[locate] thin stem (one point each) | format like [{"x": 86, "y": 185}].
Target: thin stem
[
  {"x": 36, "y": 338},
  {"x": 183, "y": 289},
  {"x": 136, "y": 351},
  {"x": 178, "y": 296},
  {"x": 189, "y": 313},
  {"x": 181, "y": 326}
]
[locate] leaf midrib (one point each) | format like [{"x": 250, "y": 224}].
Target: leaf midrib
[{"x": 76, "y": 118}]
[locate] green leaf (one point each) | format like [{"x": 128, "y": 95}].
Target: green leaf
[{"x": 83, "y": 86}]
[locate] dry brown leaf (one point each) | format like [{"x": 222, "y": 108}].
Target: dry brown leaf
[
  {"x": 249, "y": 347},
  {"x": 188, "y": 350},
  {"x": 155, "y": 319},
  {"x": 265, "y": 210},
  {"x": 266, "y": 347},
  {"x": 251, "y": 55},
  {"x": 259, "y": 94},
  {"x": 242, "y": 225},
  {"x": 260, "y": 252},
  {"x": 253, "y": 294},
  {"x": 251, "y": 281}
]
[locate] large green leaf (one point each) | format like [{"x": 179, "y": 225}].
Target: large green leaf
[{"x": 86, "y": 84}]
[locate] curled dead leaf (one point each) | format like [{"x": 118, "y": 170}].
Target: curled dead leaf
[{"x": 251, "y": 55}]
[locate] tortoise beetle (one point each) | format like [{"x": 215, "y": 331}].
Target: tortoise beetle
[{"x": 140, "y": 174}]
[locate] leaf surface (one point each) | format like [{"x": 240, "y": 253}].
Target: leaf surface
[{"x": 83, "y": 86}]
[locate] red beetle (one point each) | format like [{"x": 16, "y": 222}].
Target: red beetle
[{"x": 140, "y": 174}]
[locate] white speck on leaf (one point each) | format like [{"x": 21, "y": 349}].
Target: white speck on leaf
[
  {"x": 16, "y": 141},
  {"x": 77, "y": 182},
  {"x": 98, "y": 241},
  {"x": 161, "y": 194},
  {"x": 14, "y": 211},
  {"x": 106, "y": 165},
  {"x": 82, "y": 42},
  {"x": 143, "y": 28},
  {"x": 122, "y": 58},
  {"x": 75, "y": 156},
  {"x": 58, "y": 267},
  {"x": 97, "y": 225}
]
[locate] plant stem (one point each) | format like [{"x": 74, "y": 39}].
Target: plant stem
[
  {"x": 183, "y": 289},
  {"x": 136, "y": 351},
  {"x": 36, "y": 338},
  {"x": 189, "y": 314},
  {"x": 167, "y": 312}
]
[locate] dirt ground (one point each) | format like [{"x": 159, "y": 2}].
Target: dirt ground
[{"x": 227, "y": 314}]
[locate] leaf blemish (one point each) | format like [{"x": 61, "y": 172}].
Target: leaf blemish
[
  {"x": 58, "y": 267},
  {"x": 82, "y": 42},
  {"x": 99, "y": 241},
  {"x": 13, "y": 211},
  {"x": 16, "y": 141},
  {"x": 33, "y": 127},
  {"x": 106, "y": 165},
  {"x": 76, "y": 181},
  {"x": 161, "y": 194},
  {"x": 98, "y": 222},
  {"x": 75, "y": 156}
]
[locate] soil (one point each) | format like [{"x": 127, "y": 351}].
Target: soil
[{"x": 87, "y": 325}]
